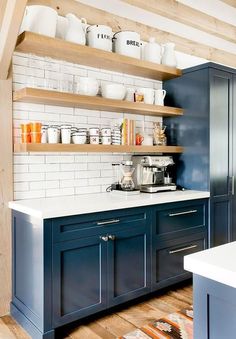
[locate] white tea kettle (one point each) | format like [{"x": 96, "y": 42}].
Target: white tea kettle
[{"x": 76, "y": 29}]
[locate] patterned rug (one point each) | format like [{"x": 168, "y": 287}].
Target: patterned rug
[{"x": 178, "y": 325}]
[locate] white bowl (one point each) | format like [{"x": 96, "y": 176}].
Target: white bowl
[
  {"x": 79, "y": 139},
  {"x": 113, "y": 91},
  {"x": 87, "y": 86}
]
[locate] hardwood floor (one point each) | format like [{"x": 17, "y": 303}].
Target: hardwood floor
[{"x": 118, "y": 323}]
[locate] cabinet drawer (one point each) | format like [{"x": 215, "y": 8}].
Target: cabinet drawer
[
  {"x": 70, "y": 228},
  {"x": 179, "y": 217},
  {"x": 168, "y": 258}
]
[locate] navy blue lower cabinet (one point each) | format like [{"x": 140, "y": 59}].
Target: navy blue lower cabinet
[
  {"x": 129, "y": 273},
  {"x": 79, "y": 279},
  {"x": 65, "y": 269}
]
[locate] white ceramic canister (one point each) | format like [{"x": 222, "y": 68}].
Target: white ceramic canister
[
  {"x": 152, "y": 51},
  {"x": 44, "y": 132},
  {"x": 94, "y": 131},
  {"x": 94, "y": 139},
  {"x": 40, "y": 19},
  {"x": 106, "y": 132},
  {"x": 168, "y": 56},
  {"x": 100, "y": 36},
  {"x": 127, "y": 43},
  {"x": 53, "y": 132},
  {"x": 106, "y": 140},
  {"x": 66, "y": 134},
  {"x": 160, "y": 96}
]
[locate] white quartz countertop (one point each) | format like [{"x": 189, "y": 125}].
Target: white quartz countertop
[
  {"x": 217, "y": 263},
  {"x": 73, "y": 205}
]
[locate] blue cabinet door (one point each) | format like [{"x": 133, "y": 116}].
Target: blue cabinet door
[
  {"x": 220, "y": 156},
  {"x": 79, "y": 279},
  {"x": 128, "y": 264}
]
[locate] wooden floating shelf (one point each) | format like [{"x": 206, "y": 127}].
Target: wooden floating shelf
[
  {"x": 18, "y": 148},
  {"x": 41, "y": 45},
  {"x": 48, "y": 97}
]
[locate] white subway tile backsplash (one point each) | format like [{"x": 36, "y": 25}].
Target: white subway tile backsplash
[
  {"x": 44, "y": 168},
  {"x": 60, "y": 174},
  {"x": 23, "y": 177},
  {"x": 21, "y": 186},
  {"x": 29, "y": 195},
  {"x": 60, "y": 192},
  {"x": 88, "y": 189},
  {"x": 21, "y": 168},
  {"x": 59, "y": 109}
]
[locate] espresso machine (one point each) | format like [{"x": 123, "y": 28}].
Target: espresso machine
[{"x": 151, "y": 173}]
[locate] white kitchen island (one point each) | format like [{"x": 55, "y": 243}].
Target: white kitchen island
[{"x": 214, "y": 289}]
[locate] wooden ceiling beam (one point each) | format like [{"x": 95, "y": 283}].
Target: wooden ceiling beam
[
  {"x": 97, "y": 16},
  {"x": 230, "y": 2},
  {"x": 11, "y": 21},
  {"x": 174, "y": 10}
]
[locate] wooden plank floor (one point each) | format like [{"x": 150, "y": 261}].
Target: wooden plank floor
[{"x": 119, "y": 323}]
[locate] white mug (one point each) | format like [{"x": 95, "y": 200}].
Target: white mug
[
  {"x": 148, "y": 95},
  {"x": 65, "y": 135},
  {"x": 160, "y": 96},
  {"x": 147, "y": 140},
  {"x": 53, "y": 135}
]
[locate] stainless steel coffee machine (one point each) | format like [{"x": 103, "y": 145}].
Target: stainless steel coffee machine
[{"x": 151, "y": 173}]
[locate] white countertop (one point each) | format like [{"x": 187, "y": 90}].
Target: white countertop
[
  {"x": 73, "y": 205},
  {"x": 217, "y": 263}
]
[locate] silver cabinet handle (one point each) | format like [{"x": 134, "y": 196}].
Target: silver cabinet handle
[
  {"x": 182, "y": 249},
  {"x": 111, "y": 237},
  {"x": 182, "y": 213},
  {"x": 104, "y": 238},
  {"x": 112, "y": 221},
  {"x": 232, "y": 185}
]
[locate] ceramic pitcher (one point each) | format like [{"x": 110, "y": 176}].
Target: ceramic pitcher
[
  {"x": 169, "y": 57},
  {"x": 76, "y": 29},
  {"x": 40, "y": 19}
]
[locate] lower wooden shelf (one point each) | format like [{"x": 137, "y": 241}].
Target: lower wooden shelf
[{"x": 19, "y": 148}]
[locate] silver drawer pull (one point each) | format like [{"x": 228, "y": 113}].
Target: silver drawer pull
[
  {"x": 182, "y": 213},
  {"x": 182, "y": 249},
  {"x": 113, "y": 221}
]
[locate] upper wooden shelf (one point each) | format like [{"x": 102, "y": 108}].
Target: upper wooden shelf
[
  {"x": 29, "y": 42},
  {"x": 95, "y": 148},
  {"x": 48, "y": 97}
]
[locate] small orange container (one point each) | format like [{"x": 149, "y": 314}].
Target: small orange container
[
  {"x": 25, "y": 138},
  {"x": 25, "y": 128},
  {"x": 35, "y": 137},
  {"x": 35, "y": 127}
]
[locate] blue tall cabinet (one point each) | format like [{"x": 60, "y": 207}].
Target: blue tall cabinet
[{"x": 207, "y": 130}]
